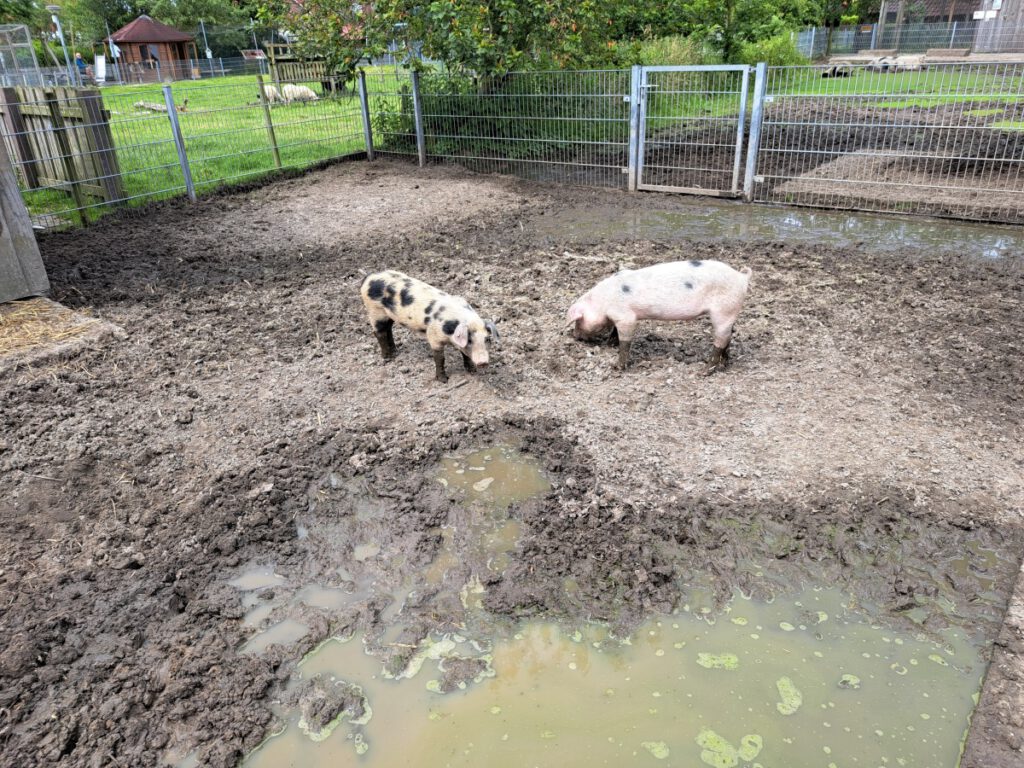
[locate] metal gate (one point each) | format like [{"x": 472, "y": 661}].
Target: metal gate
[{"x": 690, "y": 125}]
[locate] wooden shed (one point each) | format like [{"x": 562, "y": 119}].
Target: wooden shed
[{"x": 151, "y": 51}]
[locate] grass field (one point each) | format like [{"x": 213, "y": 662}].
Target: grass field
[{"x": 225, "y": 133}]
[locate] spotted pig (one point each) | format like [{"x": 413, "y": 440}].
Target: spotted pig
[
  {"x": 391, "y": 297},
  {"x": 676, "y": 290}
]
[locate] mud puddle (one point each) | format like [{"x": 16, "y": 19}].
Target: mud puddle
[
  {"x": 720, "y": 221},
  {"x": 487, "y": 481},
  {"x": 808, "y": 679}
]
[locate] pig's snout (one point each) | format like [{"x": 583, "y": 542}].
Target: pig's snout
[{"x": 480, "y": 359}]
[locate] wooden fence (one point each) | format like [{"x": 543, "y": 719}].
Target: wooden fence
[{"x": 59, "y": 138}]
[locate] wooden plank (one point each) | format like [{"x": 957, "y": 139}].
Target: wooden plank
[
  {"x": 61, "y": 135},
  {"x": 102, "y": 142},
  {"x": 21, "y": 268}
]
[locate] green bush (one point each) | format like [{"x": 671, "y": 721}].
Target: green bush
[
  {"x": 676, "y": 50},
  {"x": 778, "y": 51}
]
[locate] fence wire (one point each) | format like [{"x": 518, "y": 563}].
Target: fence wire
[
  {"x": 693, "y": 129},
  {"x": 551, "y": 126},
  {"x": 946, "y": 141},
  {"x": 79, "y": 153}
]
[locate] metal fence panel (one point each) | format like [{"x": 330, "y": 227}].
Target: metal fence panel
[
  {"x": 549, "y": 126},
  {"x": 228, "y": 135},
  {"x": 979, "y": 36},
  {"x": 693, "y": 121},
  {"x": 945, "y": 141},
  {"x": 392, "y": 119}
]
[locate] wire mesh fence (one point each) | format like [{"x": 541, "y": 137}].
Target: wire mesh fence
[
  {"x": 79, "y": 153},
  {"x": 946, "y": 141},
  {"x": 693, "y": 126},
  {"x": 552, "y": 126},
  {"x": 982, "y": 36}
]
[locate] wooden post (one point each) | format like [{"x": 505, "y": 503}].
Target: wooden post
[
  {"x": 21, "y": 269},
  {"x": 269, "y": 123},
  {"x": 60, "y": 133}
]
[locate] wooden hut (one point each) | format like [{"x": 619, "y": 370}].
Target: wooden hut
[{"x": 152, "y": 52}]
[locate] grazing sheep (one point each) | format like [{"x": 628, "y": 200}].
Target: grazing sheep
[
  {"x": 272, "y": 95},
  {"x": 292, "y": 92}
]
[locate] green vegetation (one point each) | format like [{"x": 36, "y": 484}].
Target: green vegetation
[
  {"x": 225, "y": 135},
  {"x": 1008, "y": 125}
]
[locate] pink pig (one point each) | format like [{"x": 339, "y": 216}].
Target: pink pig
[{"x": 675, "y": 290}]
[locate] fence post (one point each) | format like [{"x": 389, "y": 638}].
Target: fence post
[
  {"x": 179, "y": 143},
  {"x": 417, "y": 109},
  {"x": 756, "y": 118},
  {"x": 874, "y": 36},
  {"x": 268, "y": 122},
  {"x": 633, "y": 170},
  {"x": 364, "y": 102},
  {"x": 952, "y": 35},
  {"x": 814, "y": 31}
]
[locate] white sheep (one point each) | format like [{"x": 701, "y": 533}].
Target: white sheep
[
  {"x": 292, "y": 92},
  {"x": 272, "y": 95}
]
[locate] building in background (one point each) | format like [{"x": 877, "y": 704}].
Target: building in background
[{"x": 152, "y": 52}]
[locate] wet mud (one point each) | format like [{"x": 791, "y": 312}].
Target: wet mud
[{"x": 244, "y": 462}]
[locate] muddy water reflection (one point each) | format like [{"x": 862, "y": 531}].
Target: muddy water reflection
[
  {"x": 800, "y": 681},
  {"x": 718, "y": 220},
  {"x": 488, "y": 481},
  {"x": 494, "y": 477}
]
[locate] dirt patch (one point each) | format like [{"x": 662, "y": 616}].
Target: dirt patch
[{"x": 866, "y": 434}]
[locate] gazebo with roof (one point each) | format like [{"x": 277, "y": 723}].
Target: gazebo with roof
[{"x": 154, "y": 50}]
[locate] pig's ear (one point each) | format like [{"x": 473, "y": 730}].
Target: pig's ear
[
  {"x": 460, "y": 338},
  {"x": 575, "y": 313}
]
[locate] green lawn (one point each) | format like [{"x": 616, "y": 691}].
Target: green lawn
[
  {"x": 929, "y": 87},
  {"x": 226, "y": 137}
]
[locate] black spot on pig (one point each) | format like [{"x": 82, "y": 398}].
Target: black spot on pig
[
  {"x": 689, "y": 285},
  {"x": 406, "y": 297},
  {"x": 430, "y": 306},
  {"x": 449, "y": 327},
  {"x": 695, "y": 262},
  {"x": 626, "y": 289},
  {"x": 376, "y": 289},
  {"x": 439, "y": 312},
  {"x": 389, "y": 297}
]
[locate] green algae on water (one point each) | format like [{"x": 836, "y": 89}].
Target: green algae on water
[
  {"x": 718, "y": 660},
  {"x": 790, "y": 695},
  {"x": 659, "y": 749}
]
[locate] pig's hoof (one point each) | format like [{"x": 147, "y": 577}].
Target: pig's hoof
[{"x": 442, "y": 379}]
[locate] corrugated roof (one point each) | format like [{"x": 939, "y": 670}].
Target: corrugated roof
[{"x": 146, "y": 30}]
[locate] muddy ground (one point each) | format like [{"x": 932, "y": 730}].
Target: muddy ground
[{"x": 867, "y": 433}]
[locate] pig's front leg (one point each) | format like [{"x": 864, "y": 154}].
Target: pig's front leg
[
  {"x": 624, "y": 329},
  {"x": 382, "y": 330},
  {"x": 439, "y": 373},
  {"x": 468, "y": 364}
]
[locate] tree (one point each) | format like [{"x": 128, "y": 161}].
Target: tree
[
  {"x": 186, "y": 14},
  {"x": 728, "y": 24},
  {"x": 333, "y": 30}
]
